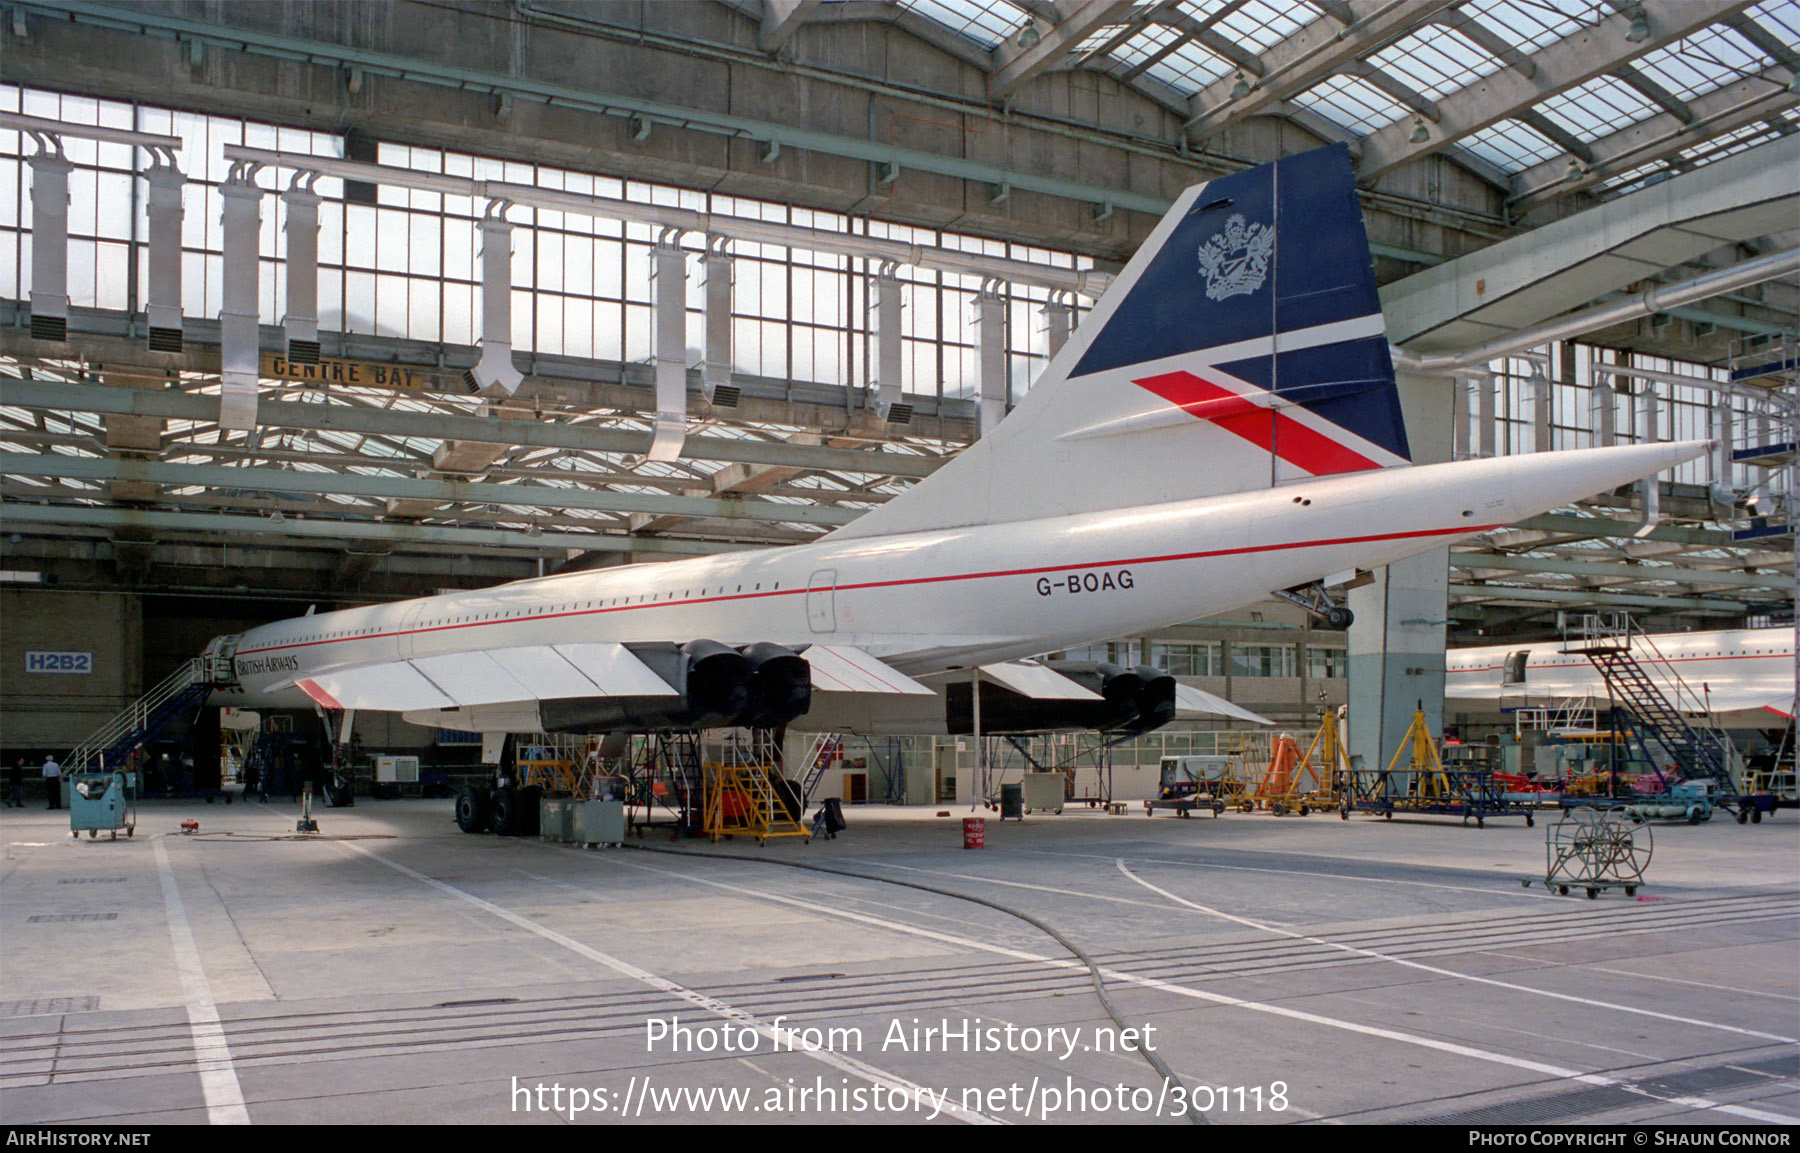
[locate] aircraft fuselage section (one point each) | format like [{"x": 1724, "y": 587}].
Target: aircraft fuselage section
[{"x": 927, "y": 601}]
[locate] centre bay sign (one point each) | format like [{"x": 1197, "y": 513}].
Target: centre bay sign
[{"x": 346, "y": 373}]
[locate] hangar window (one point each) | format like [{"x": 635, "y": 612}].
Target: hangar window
[
  {"x": 1204, "y": 659},
  {"x": 1262, "y": 661},
  {"x": 1327, "y": 664}
]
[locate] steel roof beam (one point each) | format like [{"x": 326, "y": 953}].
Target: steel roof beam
[
  {"x": 1140, "y": 17},
  {"x": 442, "y": 426},
  {"x": 781, "y": 19},
  {"x": 341, "y": 530},
  {"x": 1557, "y": 135},
  {"x": 1611, "y": 570},
  {"x": 1736, "y": 105},
  {"x": 1572, "y": 61},
  {"x": 1656, "y": 92},
  {"x": 1314, "y": 52},
  {"x": 1393, "y": 87},
  {"x": 1500, "y": 594},
  {"x": 1013, "y": 65},
  {"x": 382, "y": 487},
  {"x": 1773, "y": 46},
  {"x": 1498, "y": 47}
]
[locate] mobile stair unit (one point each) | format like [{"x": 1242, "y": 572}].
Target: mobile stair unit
[
  {"x": 1679, "y": 753},
  {"x": 179, "y": 694}
]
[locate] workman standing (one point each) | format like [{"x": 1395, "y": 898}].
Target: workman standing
[{"x": 53, "y": 781}]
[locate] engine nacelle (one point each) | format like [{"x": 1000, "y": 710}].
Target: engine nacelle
[
  {"x": 763, "y": 685},
  {"x": 1132, "y": 700},
  {"x": 780, "y": 686},
  {"x": 1156, "y": 699}
]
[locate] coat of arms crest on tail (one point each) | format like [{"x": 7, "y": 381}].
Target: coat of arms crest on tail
[{"x": 1235, "y": 260}]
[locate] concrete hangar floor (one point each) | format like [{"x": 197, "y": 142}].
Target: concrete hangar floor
[{"x": 393, "y": 970}]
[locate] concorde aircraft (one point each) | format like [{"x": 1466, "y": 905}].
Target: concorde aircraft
[
  {"x": 1224, "y": 424},
  {"x": 1743, "y": 678}
]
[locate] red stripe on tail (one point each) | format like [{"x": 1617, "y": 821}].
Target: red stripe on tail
[{"x": 1266, "y": 428}]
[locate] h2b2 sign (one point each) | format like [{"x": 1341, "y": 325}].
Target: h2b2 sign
[{"x": 49, "y": 662}]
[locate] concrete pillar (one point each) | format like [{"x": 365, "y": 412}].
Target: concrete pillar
[
  {"x": 1396, "y": 654},
  {"x": 1396, "y": 646}
]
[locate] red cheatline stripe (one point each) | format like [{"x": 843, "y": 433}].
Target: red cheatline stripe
[
  {"x": 311, "y": 688},
  {"x": 1266, "y": 428},
  {"x": 1458, "y": 530}
]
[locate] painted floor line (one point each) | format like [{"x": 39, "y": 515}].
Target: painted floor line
[
  {"x": 1695, "y": 984},
  {"x": 1469, "y": 1051},
  {"x": 212, "y": 1054},
  {"x": 1502, "y": 891},
  {"x": 1691, "y": 1102},
  {"x": 784, "y": 1038},
  {"x": 1452, "y": 973}
]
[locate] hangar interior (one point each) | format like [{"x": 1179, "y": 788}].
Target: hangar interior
[{"x": 324, "y": 304}]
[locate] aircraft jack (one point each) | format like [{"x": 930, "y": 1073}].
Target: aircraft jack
[{"x": 306, "y": 824}]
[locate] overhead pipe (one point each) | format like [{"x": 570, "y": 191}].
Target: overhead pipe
[
  {"x": 1712, "y": 284},
  {"x": 1088, "y": 282},
  {"x": 240, "y": 316}
]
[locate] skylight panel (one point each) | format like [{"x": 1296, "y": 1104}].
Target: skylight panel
[
  {"x": 1436, "y": 61},
  {"x": 1258, "y": 26},
  {"x": 1704, "y": 62},
  {"x": 1190, "y": 68},
  {"x": 1353, "y": 103},
  {"x": 1530, "y": 24},
  {"x": 1147, "y": 42},
  {"x": 1511, "y": 145},
  {"x": 986, "y": 23},
  {"x": 1598, "y": 108},
  {"x": 1780, "y": 18}
]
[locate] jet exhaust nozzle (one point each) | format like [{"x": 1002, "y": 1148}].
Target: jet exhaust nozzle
[{"x": 780, "y": 685}]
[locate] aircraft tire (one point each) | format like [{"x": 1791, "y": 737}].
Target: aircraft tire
[
  {"x": 1339, "y": 617},
  {"x": 472, "y": 811},
  {"x": 527, "y": 814},
  {"x": 503, "y": 810}
]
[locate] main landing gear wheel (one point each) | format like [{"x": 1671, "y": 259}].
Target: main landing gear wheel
[
  {"x": 472, "y": 811},
  {"x": 503, "y": 812}
]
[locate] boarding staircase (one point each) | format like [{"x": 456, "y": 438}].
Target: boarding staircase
[
  {"x": 1656, "y": 723},
  {"x": 145, "y": 717},
  {"x": 826, "y": 748}
]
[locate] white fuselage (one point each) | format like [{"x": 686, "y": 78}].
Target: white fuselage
[
  {"x": 951, "y": 598},
  {"x": 1733, "y": 674}
]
